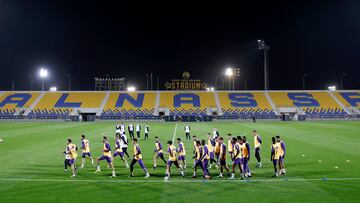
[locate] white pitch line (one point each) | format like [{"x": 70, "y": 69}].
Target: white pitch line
[
  {"x": 173, "y": 140},
  {"x": 179, "y": 181}
]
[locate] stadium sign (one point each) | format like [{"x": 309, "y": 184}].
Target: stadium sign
[{"x": 185, "y": 83}]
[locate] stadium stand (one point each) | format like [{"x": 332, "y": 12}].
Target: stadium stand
[
  {"x": 314, "y": 104},
  {"x": 59, "y": 105},
  {"x": 154, "y": 105},
  {"x": 124, "y": 105},
  {"x": 188, "y": 103},
  {"x": 14, "y": 104},
  {"x": 350, "y": 100},
  {"x": 245, "y": 105}
]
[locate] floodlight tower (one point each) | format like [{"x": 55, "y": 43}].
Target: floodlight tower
[
  {"x": 31, "y": 81},
  {"x": 304, "y": 80},
  {"x": 264, "y": 47},
  {"x": 43, "y": 73},
  {"x": 229, "y": 72},
  {"x": 341, "y": 80},
  {"x": 69, "y": 81}
]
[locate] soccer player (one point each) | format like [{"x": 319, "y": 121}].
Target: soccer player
[
  {"x": 211, "y": 147},
  {"x": 71, "y": 151},
  {"x": 106, "y": 156},
  {"x": 122, "y": 128},
  {"x": 67, "y": 160},
  {"x": 230, "y": 145},
  {"x": 217, "y": 150},
  {"x": 236, "y": 158},
  {"x": 222, "y": 157},
  {"x": 147, "y": 131},
  {"x": 194, "y": 143},
  {"x": 181, "y": 153},
  {"x": 117, "y": 129},
  {"x": 275, "y": 155},
  {"x": 158, "y": 151},
  {"x": 257, "y": 147},
  {"x": 215, "y": 133},
  {"x": 246, "y": 157},
  {"x": 131, "y": 130},
  {"x": 282, "y": 155},
  {"x": 124, "y": 144},
  {"x": 85, "y": 146},
  {"x": 187, "y": 132},
  {"x": 245, "y": 151},
  {"x": 172, "y": 160},
  {"x": 137, "y": 157},
  {"x": 205, "y": 159},
  {"x": 119, "y": 151},
  {"x": 197, "y": 158},
  {"x": 138, "y": 129}
]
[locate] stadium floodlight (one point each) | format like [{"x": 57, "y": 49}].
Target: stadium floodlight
[
  {"x": 229, "y": 72},
  {"x": 210, "y": 89},
  {"x": 332, "y": 88},
  {"x": 53, "y": 89},
  {"x": 131, "y": 89},
  {"x": 262, "y": 46},
  {"x": 43, "y": 73}
]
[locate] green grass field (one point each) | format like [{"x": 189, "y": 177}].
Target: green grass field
[{"x": 31, "y": 162}]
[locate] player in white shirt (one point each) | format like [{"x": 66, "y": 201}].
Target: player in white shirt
[
  {"x": 147, "y": 130},
  {"x": 138, "y": 129},
  {"x": 124, "y": 144},
  {"x": 187, "y": 132},
  {"x": 215, "y": 133},
  {"x": 131, "y": 130},
  {"x": 122, "y": 128},
  {"x": 117, "y": 129}
]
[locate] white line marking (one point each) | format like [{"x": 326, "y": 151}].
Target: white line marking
[
  {"x": 179, "y": 181},
  {"x": 173, "y": 140}
]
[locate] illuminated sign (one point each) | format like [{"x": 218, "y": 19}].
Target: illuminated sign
[{"x": 185, "y": 83}]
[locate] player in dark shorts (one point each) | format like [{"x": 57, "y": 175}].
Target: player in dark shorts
[
  {"x": 205, "y": 159},
  {"x": 158, "y": 151},
  {"x": 173, "y": 159},
  {"x": 197, "y": 158},
  {"x": 106, "y": 156},
  {"x": 236, "y": 158},
  {"x": 222, "y": 157}
]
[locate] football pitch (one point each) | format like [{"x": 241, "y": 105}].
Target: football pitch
[{"x": 322, "y": 165}]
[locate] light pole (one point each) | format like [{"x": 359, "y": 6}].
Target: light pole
[
  {"x": 151, "y": 82},
  {"x": 264, "y": 47},
  {"x": 229, "y": 72},
  {"x": 236, "y": 74},
  {"x": 31, "y": 82},
  {"x": 304, "y": 78},
  {"x": 147, "y": 82},
  {"x": 43, "y": 73},
  {"x": 69, "y": 81},
  {"x": 157, "y": 82},
  {"x": 341, "y": 80},
  {"x": 108, "y": 79}
]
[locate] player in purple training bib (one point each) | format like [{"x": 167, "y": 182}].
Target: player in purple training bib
[{"x": 106, "y": 156}]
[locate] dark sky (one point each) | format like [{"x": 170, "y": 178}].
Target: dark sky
[{"x": 91, "y": 39}]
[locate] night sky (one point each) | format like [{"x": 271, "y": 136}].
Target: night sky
[{"x": 91, "y": 39}]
